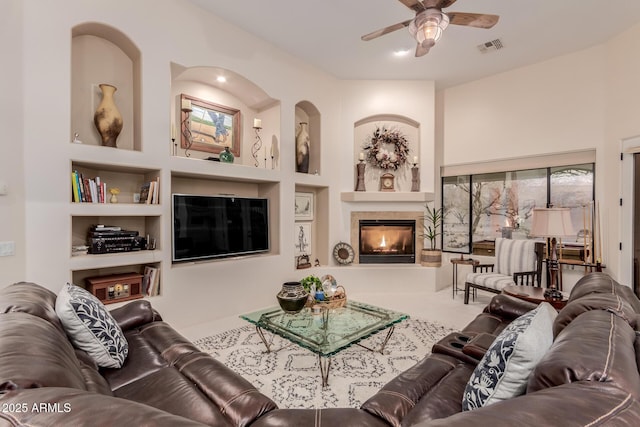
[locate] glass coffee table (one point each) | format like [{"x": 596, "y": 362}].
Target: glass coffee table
[{"x": 326, "y": 332}]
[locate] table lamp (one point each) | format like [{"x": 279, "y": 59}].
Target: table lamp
[{"x": 551, "y": 223}]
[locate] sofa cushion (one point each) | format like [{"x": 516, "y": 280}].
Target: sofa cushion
[
  {"x": 515, "y": 255},
  {"x": 26, "y": 297},
  {"x": 597, "y": 346},
  {"x": 90, "y": 327},
  {"x": 34, "y": 353},
  {"x": 505, "y": 368},
  {"x": 495, "y": 281}
]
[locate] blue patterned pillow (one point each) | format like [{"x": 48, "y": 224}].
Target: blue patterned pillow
[
  {"x": 91, "y": 327},
  {"x": 504, "y": 370}
]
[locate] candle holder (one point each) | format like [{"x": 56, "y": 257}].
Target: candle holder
[
  {"x": 255, "y": 148},
  {"x": 186, "y": 129},
  {"x": 415, "y": 178},
  {"x": 360, "y": 168}
]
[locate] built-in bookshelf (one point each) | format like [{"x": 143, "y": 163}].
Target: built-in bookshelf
[{"x": 108, "y": 186}]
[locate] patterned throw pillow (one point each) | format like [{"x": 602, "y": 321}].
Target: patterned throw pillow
[
  {"x": 91, "y": 327},
  {"x": 504, "y": 370}
]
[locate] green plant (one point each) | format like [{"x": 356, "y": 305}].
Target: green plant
[
  {"x": 309, "y": 281},
  {"x": 432, "y": 223}
]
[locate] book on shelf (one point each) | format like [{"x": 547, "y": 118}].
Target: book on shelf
[
  {"x": 149, "y": 192},
  {"x": 87, "y": 190},
  {"x": 151, "y": 281}
]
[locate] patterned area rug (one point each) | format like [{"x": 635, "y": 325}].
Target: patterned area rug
[{"x": 291, "y": 376}]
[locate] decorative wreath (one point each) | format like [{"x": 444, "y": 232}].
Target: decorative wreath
[{"x": 378, "y": 152}]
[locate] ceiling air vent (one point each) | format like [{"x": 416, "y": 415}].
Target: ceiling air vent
[{"x": 490, "y": 46}]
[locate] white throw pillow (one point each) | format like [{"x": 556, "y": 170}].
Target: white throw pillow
[
  {"x": 91, "y": 327},
  {"x": 504, "y": 370}
]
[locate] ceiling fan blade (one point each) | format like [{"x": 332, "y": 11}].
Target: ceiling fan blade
[
  {"x": 438, "y": 4},
  {"x": 386, "y": 30},
  {"x": 477, "y": 20},
  {"x": 422, "y": 50},
  {"x": 415, "y": 5}
]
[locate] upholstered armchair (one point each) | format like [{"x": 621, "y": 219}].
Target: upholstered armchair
[{"x": 517, "y": 262}]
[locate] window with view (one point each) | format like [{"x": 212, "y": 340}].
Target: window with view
[{"x": 478, "y": 208}]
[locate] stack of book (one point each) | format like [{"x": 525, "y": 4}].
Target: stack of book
[
  {"x": 149, "y": 192},
  {"x": 87, "y": 190}
]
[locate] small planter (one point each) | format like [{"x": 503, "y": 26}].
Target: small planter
[{"x": 431, "y": 258}]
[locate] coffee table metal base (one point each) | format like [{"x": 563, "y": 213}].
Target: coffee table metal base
[{"x": 325, "y": 361}]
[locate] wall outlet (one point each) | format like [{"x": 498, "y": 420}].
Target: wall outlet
[
  {"x": 4, "y": 188},
  {"x": 7, "y": 248}
]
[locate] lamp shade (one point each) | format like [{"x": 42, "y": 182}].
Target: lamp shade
[{"x": 552, "y": 222}]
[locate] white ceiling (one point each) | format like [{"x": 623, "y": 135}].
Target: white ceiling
[{"x": 327, "y": 33}]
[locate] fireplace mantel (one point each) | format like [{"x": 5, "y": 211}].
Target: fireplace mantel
[{"x": 386, "y": 196}]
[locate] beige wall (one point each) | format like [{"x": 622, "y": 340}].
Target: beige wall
[
  {"x": 12, "y": 211},
  {"x": 584, "y": 100}
]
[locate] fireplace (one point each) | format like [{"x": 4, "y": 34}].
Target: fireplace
[{"x": 387, "y": 241}]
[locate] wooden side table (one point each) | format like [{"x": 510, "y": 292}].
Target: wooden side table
[
  {"x": 532, "y": 294},
  {"x": 456, "y": 262}
]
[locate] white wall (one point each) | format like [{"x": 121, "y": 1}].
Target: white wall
[
  {"x": 584, "y": 100},
  {"x": 12, "y": 223}
]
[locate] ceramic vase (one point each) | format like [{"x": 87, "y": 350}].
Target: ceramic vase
[
  {"x": 302, "y": 148},
  {"x": 292, "y": 297},
  {"x": 226, "y": 156},
  {"x": 107, "y": 118}
]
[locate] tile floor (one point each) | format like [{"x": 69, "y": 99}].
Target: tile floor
[{"x": 438, "y": 306}]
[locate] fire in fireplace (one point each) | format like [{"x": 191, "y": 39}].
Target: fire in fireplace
[{"x": 387, "y": 241}]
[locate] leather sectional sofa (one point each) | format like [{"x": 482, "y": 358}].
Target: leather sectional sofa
[{"x": 589, "y": 376}]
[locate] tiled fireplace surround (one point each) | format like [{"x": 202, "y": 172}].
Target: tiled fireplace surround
[{"x": 356, "y": 216}]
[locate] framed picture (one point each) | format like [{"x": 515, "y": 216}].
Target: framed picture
[
  {"x": 302, "y": 238},
  {"x": 304, "y": 206},
  {"x": 210, "y": 126}
]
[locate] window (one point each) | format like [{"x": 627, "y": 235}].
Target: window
[{"x": 478, "y": 208}]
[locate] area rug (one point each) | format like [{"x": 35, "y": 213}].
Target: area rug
[{"x": 291, "y": 376}]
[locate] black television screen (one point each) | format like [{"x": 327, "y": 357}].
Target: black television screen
[{"x": 207, "y": 227}]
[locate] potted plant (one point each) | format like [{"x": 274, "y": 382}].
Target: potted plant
[
  {"x": 432, "y": 223},
  {"x": 310, "y": 282}
]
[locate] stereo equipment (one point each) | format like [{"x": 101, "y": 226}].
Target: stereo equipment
[{"x": 115, "y": 287}]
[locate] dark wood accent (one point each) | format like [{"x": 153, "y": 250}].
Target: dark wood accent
[
  {"x": 116, "y": 287},
  {"x": 533, "y": 294}
]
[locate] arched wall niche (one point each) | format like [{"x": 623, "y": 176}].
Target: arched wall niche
[
  {"x": 237, "y": 92},
  {"x": 307, "y": 112},
  {"x": 101, "y": 53},
  {"x": 363, "y": 130}
]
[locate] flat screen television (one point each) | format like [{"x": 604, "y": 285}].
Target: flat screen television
[{"x": 206, "y": 227}]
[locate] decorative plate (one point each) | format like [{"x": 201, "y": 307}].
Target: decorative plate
[{"x": 343, "y": 253}]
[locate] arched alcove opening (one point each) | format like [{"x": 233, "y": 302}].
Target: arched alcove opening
[{"x": 103, "y": 54}]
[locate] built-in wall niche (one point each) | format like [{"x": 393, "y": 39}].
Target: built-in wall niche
[
  {"x": 103, "y": 54},
  {"x": 308, "y": 138},
  {"x": 146, "y": 226},
  {"x": 363, "y": 132},
  {"x": 312, "y": 224},
  {"x": 259, "y": 114},
  {"x": 78, "y": 277},
  {"x": 183, "y": 183},
  {"x": 128, "y": 181}
]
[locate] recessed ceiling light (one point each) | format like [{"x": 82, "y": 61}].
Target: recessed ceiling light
[
  {"x": 402, "y": 52},
  {"x": 221, "y": 79}
]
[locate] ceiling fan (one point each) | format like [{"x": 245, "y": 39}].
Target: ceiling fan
[{"x": 430, "y": 21}]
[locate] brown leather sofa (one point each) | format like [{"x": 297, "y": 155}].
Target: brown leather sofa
[{"x": 588, "y": 377}]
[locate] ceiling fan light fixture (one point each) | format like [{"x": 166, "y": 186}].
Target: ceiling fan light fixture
[{"x": 428, "y": 26}]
